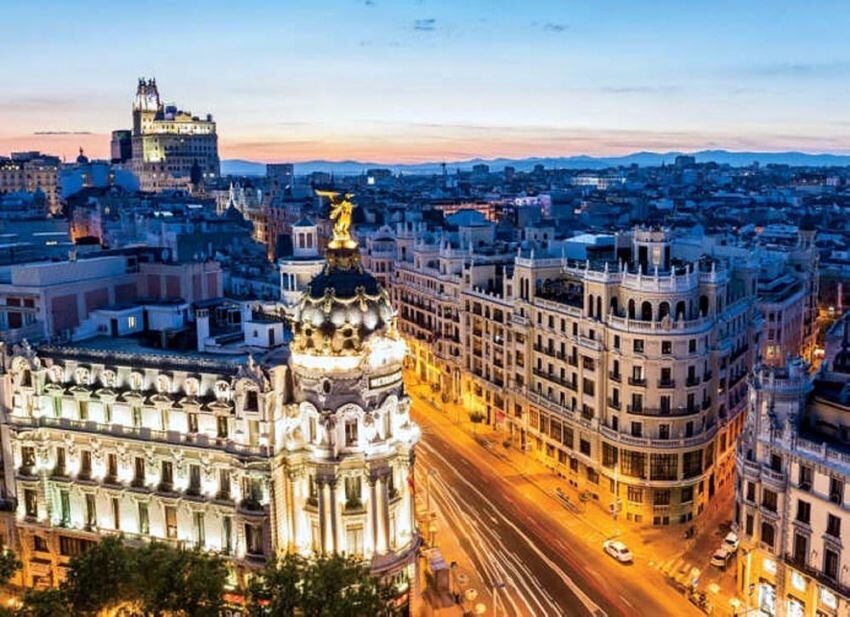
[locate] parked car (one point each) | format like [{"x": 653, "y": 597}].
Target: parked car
[
  {"x": 721, "y": 557},
  {"x": 731, "y": 541},
  {"x": 617, "y": 550}
]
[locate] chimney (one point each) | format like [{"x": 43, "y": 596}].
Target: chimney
[{"x": 202, "y": 328}]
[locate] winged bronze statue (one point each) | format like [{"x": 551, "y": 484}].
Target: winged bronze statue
[{"x": 341, "y": 207}]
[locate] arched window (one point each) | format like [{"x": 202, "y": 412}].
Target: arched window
[
  {"x": 663, "y": 310},
  {"x": 599, "y": 307},
  {"x": 614, "y": 307},
  {"x": 646, "y": 311},
  {"x": 680, "y": 310},
  {"x": 631, "y": 309},
  {"x": 590, "y": 305}
]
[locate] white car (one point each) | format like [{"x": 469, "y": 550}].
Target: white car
[
  {"x": 720, "y": 558},
  {"x": 731, "y": 541},
  {"x": 617, "y": 550}
]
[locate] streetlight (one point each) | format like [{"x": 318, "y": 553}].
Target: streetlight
[{"x": 496, "y": 587}]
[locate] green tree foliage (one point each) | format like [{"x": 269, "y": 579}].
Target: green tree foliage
[
  {"x": 335, "y": 586},
  {"x": 9, "y": 564},
  {"x": 157, "y": 579}
]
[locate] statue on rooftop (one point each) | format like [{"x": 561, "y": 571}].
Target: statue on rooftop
[{"x": 341, "y": 208}]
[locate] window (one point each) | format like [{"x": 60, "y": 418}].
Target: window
[
  {"x": 634, "y": 494},
  {"x": 805, "y": 478},
  {"x": 116, "y": 514},
  {"x": 137, "y": 417},
  {"x": 692, "y": 345},
  {"x": 112, "y": 468},
  {"x": 830, "y": 563},
  {"x": 801, "y": 548},
  {"x": 59, "y": 469},
  {"x": 609, "y": 455},
  {"x": 253, "y": 539},
  {"x": 633, "y": 463},
  {"x": 199, "y": 529},
  {"x": 171, "y": 522},
  {"x": 616, "y": 341},
  {"x": 637, "y": 345},
  {"x": 30, "y": 502},
  {"x": 661, "y": 497},
  {"x": 27, "y": 457},
  {"x": 194, "y": 479},
  {"x": 144, "y": 519},
  {"x": 804, "y": 511},
  {"x": 224, "y": 484},
  {"x": 666, "y": 349},
  {"x": 584, "y": 447},
  {"x": 221, "y": 427},
  {"x": 227, "y": 535},
  {"x": 587, "y": 386},
  {"x": 351, "y": 433},
  {"x": 833, "y": 525},
  {"x": 354, "y": 540},
  {"x": 687, "y": 494},
  {"x": 664, "y": 431},
  {"x": 85, "y": 465},
  {"x": 836, "y": 490},
  {"x": 65, "y": 508},
  {"x": 193, "y": 422},
  {"x": 166, "y": 478},
  {"x": 663, "y": 466},
  {"x": 768, "y": 500},
  {"x": 767, "y": 534},
  {"x": 749, "y": 525},
  {"x": 692, "y": 464},
  {"x": 139, "y": 471},
  {"x": 91, "y": 511},
  {"x": 637, "y": 429}
]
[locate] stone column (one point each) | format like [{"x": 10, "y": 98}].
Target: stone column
[
  {"x": 334, "y": 514},
  {"x": 385, "y": 513},
  {"x": 320, "y": 487},
  {"x": 373, "y": 511}
]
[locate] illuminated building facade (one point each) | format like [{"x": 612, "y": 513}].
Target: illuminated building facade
[
  {"x": 791, "y": 497},
  {"x": 625, "y": 375},
  {"x": 29, "y": 172},
  {"x": 309, "y": 448},
  {"x": 169, "y": 146}
]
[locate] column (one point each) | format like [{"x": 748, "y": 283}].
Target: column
[
  {"x": 320, "y": 486},
  {"x": 385, "y": 513},
  {"x": 373, "y": 510},
  {"x": 334, "y": 514}
]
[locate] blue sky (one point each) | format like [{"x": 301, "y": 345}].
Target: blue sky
[{"x": 428, "y": 80}]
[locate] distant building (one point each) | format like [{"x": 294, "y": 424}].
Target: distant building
[
  {"x": 121, "y": 146},
  {"x": 302, "y": 263},
  {"x": 169, "y": 143},
  {"x": 30, "y": 172}
]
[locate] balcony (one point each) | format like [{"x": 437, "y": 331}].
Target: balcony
[
  {"x": 692, "y": 381},
  {"x": 662, "y": 411},
  {"x": 618, "y": 405},
  {"x": 615, "y": 376},
  {"x": 821, "y": 577},
  {"x": 665, "y": 384},
  {"x": 637, "y": 381}
]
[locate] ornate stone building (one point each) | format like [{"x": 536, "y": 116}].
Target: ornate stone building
[
  {"x": 171, "y": 148},
  {"x": 791, "y": 498},
  {"x": 625, "y": 373},
  {"x": 248, "y": 451}
]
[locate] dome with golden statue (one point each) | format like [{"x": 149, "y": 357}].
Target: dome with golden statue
[{"x": 344, "y": 304}]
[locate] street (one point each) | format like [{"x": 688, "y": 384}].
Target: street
[{"x": 515, "y": 533}]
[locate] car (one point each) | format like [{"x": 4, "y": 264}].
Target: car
[
  {"x": 731, "y": 541},
  {"x": 617, "y": 550},
  {"x": 720, "y": 558}
]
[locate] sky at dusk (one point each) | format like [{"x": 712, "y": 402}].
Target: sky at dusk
[{"x": 424, "y": 80}]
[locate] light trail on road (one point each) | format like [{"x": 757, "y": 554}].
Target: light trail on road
[{"x": 494, "y": 555}]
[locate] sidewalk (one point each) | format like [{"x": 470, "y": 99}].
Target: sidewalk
[{"x": 662, "y": 548}]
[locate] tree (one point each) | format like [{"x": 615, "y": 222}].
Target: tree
[
  {"x": 44, "y": 603},
  {"x": 9, "y": 564},
  {"x": 335, "y": 586},
  {"x": 179, "y": 581},
  {"x": 100, "y": 577}
]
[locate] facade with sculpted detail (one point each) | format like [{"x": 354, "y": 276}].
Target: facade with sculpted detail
[{"x": 247, "y": 451}]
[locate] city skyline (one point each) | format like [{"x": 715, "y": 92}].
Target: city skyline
[{"x": 424, "y": 81}]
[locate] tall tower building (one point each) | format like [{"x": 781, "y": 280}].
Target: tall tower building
[{"x": 167, "y": 142}]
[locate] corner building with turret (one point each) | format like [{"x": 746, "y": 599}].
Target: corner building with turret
[{"x": 240, "y": 445}]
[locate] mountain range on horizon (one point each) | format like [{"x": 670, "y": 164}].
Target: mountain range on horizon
[{"x": 241, "y": 167}]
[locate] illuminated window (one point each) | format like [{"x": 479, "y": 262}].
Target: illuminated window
[{"x": 131, "y": 322}]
